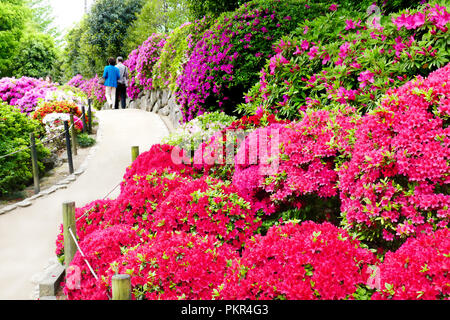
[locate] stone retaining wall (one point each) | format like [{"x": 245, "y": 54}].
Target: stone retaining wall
[{"x": 161, "y": 102}]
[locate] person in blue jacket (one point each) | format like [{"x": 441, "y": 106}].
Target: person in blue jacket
[{"x": 111, "y": 75}]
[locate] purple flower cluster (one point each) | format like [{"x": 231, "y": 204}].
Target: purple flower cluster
[
  {"x": 24, "y": 92},
  {"x": 140, "y": 63},
  {"x": 223, "y": 62}
]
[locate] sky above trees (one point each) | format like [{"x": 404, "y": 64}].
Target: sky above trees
[{"x": 67, "y": 12}]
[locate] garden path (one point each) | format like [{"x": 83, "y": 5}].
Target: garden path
[{"x": 27, "y": 235}]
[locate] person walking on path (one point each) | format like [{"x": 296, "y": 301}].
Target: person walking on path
[
  {"x": 111, "y": 74},
  {"x": 121, "y": 92}
]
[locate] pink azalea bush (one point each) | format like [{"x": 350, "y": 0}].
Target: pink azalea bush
[
  {"x": 213, "y": 156},
  {"x": 419, "y": 269},
  {"x": 141, "y": 197},
  {"x": 396, "y": 183},
  {"x": 100, "y": 248},
  {"x": 295, "y": 160},
  {"x": 24, "y": 92},
  {"x": 158, "y": 157},
  {"x": 91, "y": 88},
  {"x": 298, "y": 262}
]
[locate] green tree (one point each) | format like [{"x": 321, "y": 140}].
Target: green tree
[
  {"x": 13, "y": 16},
  {"x": 78, "y": 55},
  {"x": 156, "y": 16},
  {"x": 107, "y": 25},
  {"x": 36, "y": 56}
]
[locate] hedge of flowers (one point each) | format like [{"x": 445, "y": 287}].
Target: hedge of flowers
[
  {"x": 43, "y": 105},
  {"x": 140, "y": 63}
]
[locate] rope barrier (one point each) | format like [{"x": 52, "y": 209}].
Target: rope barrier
[
  {"x": 85, "y": 259},
  {"x": 82, "y": 254},
  {"x": 37, "y": 142}
]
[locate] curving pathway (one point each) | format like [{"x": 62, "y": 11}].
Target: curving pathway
[{"x": 27, "y": 235}]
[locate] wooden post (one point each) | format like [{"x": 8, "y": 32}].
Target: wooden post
[
  {"x": 68, "y": 147},
  {"x": 70, "y": 248},
  {"x": 83, "y": 111},
  {"x": 34, "y": 163},
  {"x": 121, "y": 287},
  {"x": 134, "y": 153},
  {"x": 89, "y": 117},
  {"x": 74, "y": 135}
]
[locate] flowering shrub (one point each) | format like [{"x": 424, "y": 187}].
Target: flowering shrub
[
  {"x": 285, "y": 165},
  {"x": 132, "y": 88},
  {"x": 140, "y": 63},
  {"x": 173, "y": 55},
  {"x": 91, "y": 88},
  {"x": 90, "y": 218},
  {"x": 208, "y": 207},
  {"x": 15, "y": 169},
  {"x": 419, "y": 269},
  {"x": 298, "y": 262},
  {"x": 216, "y": 155},
  {"x": 24, "y": 92},
  {"x": 66, "y": 94},
  {"x": 174, "y": 266},
  {"x": 222, "y": 65},
  {"x": 141, "y": 197},
  {"x": 100, "y": 248},
  {"x": 353, "y": 65},
  {"x": 56, "y": 107},
  {"x": 396, "y": 184}
]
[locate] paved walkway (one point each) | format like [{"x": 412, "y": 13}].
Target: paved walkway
[{"x": 27, "y": 235}]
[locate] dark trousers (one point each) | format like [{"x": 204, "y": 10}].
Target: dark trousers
[{"x": 121, "y": 95}]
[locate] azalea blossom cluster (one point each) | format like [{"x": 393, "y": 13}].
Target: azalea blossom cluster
[
  {"x": 355, "y": 65},
  {"x": 395, "y": 184},
  {"x": 174, "y": 266},
  {"x": 295, "y": 160},
  {"x": 90, "y": 87},
  {"x": 216, "y": 156},
  {"x": 140, "y": 63},
  {"x": 417, "y": 270},
  {"x": 223, "y": 61}
]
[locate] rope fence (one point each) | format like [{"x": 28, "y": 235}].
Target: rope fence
[{"x": 37, "y": 142}]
